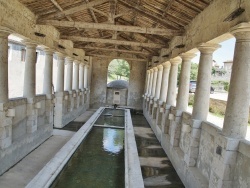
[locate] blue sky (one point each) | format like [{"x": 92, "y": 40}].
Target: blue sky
[{"x": 224, "y": 53}]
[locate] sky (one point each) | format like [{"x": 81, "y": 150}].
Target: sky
[{"x": 223, "y": 54}]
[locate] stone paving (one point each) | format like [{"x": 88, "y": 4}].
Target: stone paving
[{"x": 157, "y": 169}]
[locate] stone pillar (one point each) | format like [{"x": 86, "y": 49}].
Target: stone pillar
[
  {"x": 48, "y": 72},
  {"x": 81, "y": 82},
  {"x": 155, "y": 69},
  {"x": 86, "y": 67},
  {"x": 160, "y": 119},
  {"x": 81, "y": 76},
  {"x": 202, "y": 93},
  {"x": 86, "y": 72},
  {"x": 164, "y": 85},
  {"x": 76, "y": 84},
  {"x": 60, "y": 73},
  {"x": 5, "y": 121},
  {"x": 172, "y": 84},
  {"x": 182, "y": 100},
  {"x": 4, "y": 91},
  {"x": 171, "y": 96},
  {"x": 147, "y": 83},
  {"x": 29, "y": 89},
  {"x": 183, "y": 92},
  {"x": 201, "y": 101},
  {"x": 150, "y": 88},
  {"x": 157, "y": 90},
  {"x": 76, "y": 76},
  {"x": 69, "y": 72},
  {"x": 237, "y": 112}
]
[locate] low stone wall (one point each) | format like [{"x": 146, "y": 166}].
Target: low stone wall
[
  {"x": 25, "y": 124},
  {"x": 201, "y": 155}
]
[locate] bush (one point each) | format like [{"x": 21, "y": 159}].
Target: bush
[{"x": 226, "y": 86}]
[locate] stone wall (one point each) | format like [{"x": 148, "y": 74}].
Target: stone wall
[
  {"x": 25, "y": 124},
  {"x": 123, "y": 95},
  {"x": 99, "y": 83},
  {"x": 200, "y": 154}
]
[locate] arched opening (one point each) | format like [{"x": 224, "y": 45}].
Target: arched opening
[{"x": 118, "y": 82}]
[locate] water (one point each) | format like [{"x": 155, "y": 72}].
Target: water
[
  {"x": 157, "y": 170},
  {"x": 98, "y": 162}
]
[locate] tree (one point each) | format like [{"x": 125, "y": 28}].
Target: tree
[{"x": 118, "y": 69}]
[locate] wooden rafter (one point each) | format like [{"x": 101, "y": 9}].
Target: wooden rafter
[
  {"x": 113, "y": 49},
  {"x": 112, "y": 41},
  {"x": 136, "y": 29},
  {"x": 117, "y": 57},
  {"x": 76, "y": 9}
]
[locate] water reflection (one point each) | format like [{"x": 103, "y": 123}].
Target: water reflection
[{"x": 113, "y": 140}]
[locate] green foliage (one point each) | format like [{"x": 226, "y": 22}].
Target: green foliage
[
  {"x": 194, "y": 71},
  {"x": 226, "y": 86},
  {"x": 118, "y": 70}
]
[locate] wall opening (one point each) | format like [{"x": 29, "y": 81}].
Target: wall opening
[{"x": 118, "y": 69}]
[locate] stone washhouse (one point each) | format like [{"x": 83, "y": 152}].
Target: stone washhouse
[{"x": 154, "y": 37}]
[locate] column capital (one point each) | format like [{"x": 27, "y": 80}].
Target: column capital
[
  {"x": 68, "y": 60},
  {"x": 241, "y": 31},
  {"x": 60, "y": 56},
  {"x": 166, "y": 65},
  {"x": 77, "y": 62},
  {"x": 155, "y": 69},
  {"x": 160, "y": 67},
  {"x": 187, "y": 56},
  {"x": 82, "y": 64},
  {"x": 29, "y": 43},
  {"x": 175, "y": 61},
  {"x": 208, "y": 48},
  {"x": 5, "y": 32},
  {"x": 151, "y": 70},
  {"x": 148, "y": 71},
  {"x": 48, "y": 51}
]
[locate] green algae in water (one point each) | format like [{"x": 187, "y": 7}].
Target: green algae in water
[{"x": 98, "y": 162}]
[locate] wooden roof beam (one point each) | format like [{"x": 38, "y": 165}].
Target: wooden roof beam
[
  {"x": 112, "y": 41},
  {"x": 113, "y": 49},
  {"x": 118, "y": 57},
  {"x": 151, "y": 15},
  {"x": 75, "y": 9},
  {"x": 135, "y": 29}
]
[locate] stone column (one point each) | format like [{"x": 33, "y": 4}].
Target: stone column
[
  {"x": 4, "y": 91},
  {"x": 182, "y": 100},
  {"x": 201, "y": 101},
  {"x": 202, "y": 93},
  {"x": 237, "y": 111},
  {"x": 147, "y": 83},
  {"x": 76, "y": 84},
  {"x": 5, "y": 120},
  {"x": 81, "y": 76},
  {"x": 86, "y": 72},
  {"x": 150, "y": 81},
  {"x": 48, "y": 72},
  {"x": 172, "y": 84},
  {"x": 76, "y": 76},
  {"x": 157, "y": 90},
  {"x": 69, "y": 72},
  {"x": 171, "y": 95},
  {"x": 160, "y": 120},
  {"x": 164, "y": 85},
  {"x": 29, "y": 89},
  {"x": 155, "y": 69},
  {"x": 60, "y": 73},
  {"x": 86, "y": 67},
  {"x": 183, "y": 92}
]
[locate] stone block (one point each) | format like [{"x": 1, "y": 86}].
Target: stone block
[
  {"x": 186, "y": 128},
  {"x": 6, "y": 142},
  {"x": 196, "y": 133}
]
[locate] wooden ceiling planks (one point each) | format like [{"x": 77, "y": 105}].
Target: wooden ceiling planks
[{"x": 162, "y": 14}]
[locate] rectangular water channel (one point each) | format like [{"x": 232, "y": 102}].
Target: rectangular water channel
[
  {"x": 99, "y": 160},
  {"x": 102, "y": 153}
]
